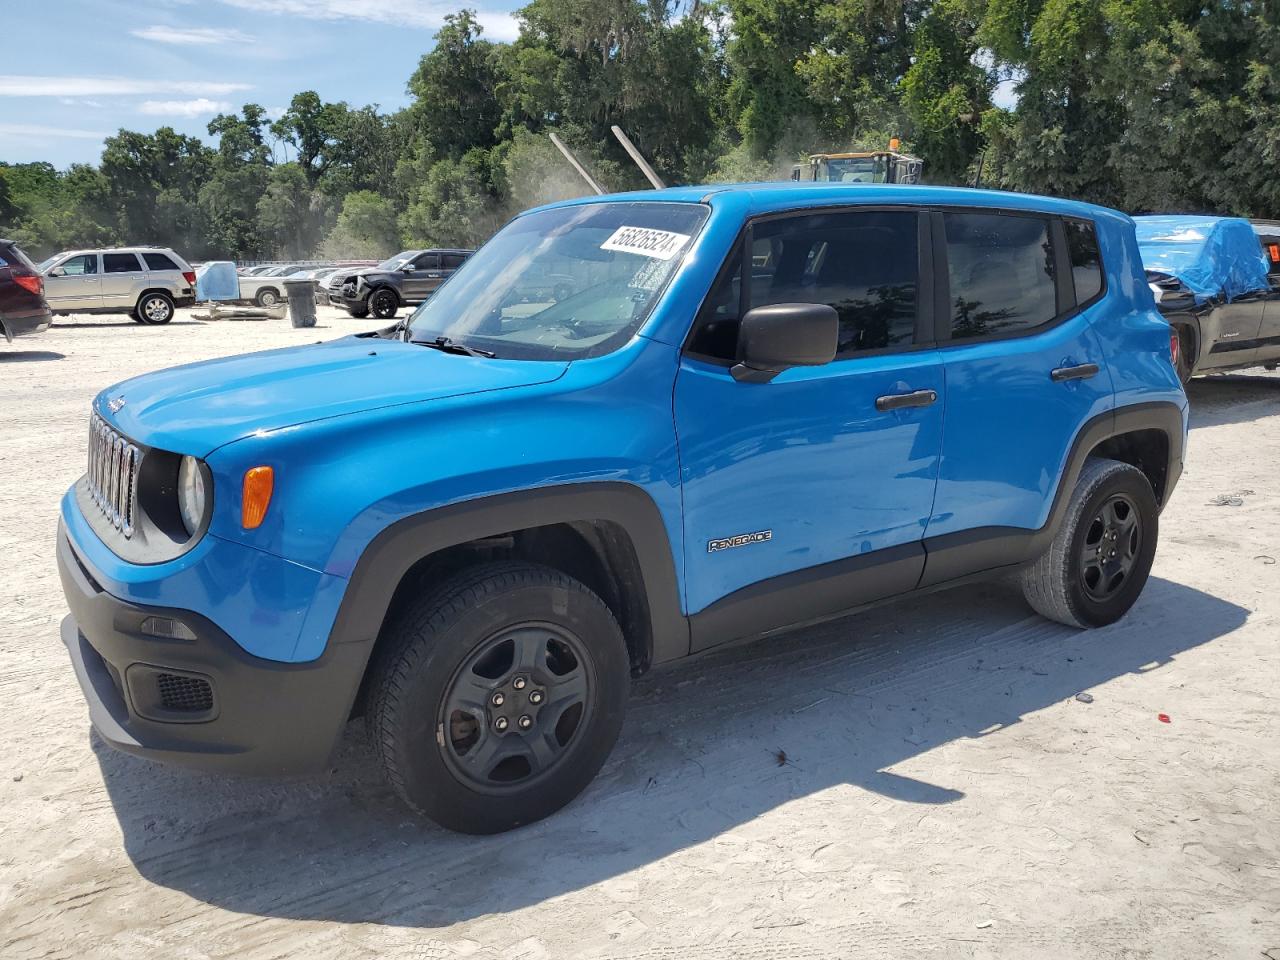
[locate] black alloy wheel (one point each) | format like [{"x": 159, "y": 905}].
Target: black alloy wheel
[{"x": 1111, "y": 548}]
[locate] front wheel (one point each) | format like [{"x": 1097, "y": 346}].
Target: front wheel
[
  {"x": 383, "y": 304},
  {"x": 500, "y": 696},
  {"x": 1099, "y": 561},
  {"x": 154, "y": 309}
]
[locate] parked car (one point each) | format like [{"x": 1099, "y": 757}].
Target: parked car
[
  {"x": 763, "y": 406},
  {"x": 409, "y": 277},
  {"x": 1217, "y": 281},
  {"x": 23, "y": 309},
  {"x": 147, "y": 283}
]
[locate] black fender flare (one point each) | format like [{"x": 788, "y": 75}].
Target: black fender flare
[{"x": 391, "y": 554}]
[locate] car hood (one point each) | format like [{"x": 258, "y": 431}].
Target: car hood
[{"x": 197, "y": 408}]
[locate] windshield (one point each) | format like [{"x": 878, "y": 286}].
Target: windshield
[
  {"x": 565, "y": 283},
  {"x": 46, "y": 264},
  {"x": 398, "y": 261},
  {"x": 856, "y": 170}
]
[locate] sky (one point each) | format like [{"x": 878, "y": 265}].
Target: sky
[{"x": 95, "y": 66}]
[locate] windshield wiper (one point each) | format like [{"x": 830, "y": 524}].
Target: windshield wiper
[{"x": 446, "y": 345}]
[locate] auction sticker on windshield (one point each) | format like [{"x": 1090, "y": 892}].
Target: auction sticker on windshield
[{"x": 647, "y": 242}]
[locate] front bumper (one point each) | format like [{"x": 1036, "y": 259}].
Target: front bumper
[{"x": 202, "y": 703}]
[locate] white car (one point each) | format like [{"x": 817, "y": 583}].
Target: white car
[{"x": 147, "y": 283}]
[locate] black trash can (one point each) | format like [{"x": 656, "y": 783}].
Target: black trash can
[{"x": 302, "y": 302}]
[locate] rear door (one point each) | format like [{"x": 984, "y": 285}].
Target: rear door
[
  {"x": 122, "y": 279},
  {"x": 1024, "y": 372},
  {"x": 1269, "y": 335},
  {"x": 74, "y": 284},
  {"x": 812, "y": 476}
]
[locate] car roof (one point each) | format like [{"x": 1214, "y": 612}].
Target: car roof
[{"x": 789, "y": 194}]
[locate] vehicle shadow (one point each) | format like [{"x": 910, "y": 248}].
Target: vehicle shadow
[
  {"x": 846, "y": 701},
  {"x": 29, "y": 356},
  {"x": 1232, "y": 398},
  {"x": 103, "y": 324}
]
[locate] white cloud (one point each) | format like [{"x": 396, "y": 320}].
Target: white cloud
[
  {"x": 37, "y": 131},
  {"x": 429, "y": 15},
  {"x": 200, "y": 107},
  {"x": 15, "y": 85},
  {"x": 192, "y": 36},
  {"x": 1005, "y": 95}
]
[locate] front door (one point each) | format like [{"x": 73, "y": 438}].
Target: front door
[
  {"x": 809, "y": 494},
  {"x": 123, "y": 279},
  {"x": 422, "y": 281},
  {"x": 74, "y": 284}
]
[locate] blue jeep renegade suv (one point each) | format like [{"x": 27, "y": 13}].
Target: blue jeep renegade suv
[{"x": 756, "y": 406}]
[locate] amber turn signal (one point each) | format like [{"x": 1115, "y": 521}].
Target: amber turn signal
[{"x": 256, "y": 497}]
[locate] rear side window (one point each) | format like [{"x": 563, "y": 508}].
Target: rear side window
[
  {"x": 1086, "y": 263},
  {"x": 863, "y": 264},
  {"x": 119, "y": 263},
  {"x": 427, "y": 261},
  {"x": 1001, "y": 273},
  {"x": 452, "y": 261},
  {"x": 158, "y": 261}
]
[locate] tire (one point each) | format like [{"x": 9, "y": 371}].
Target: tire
[
  {"x": 135, "y": 316},
  {"x": 383, "y": 303},
  {"x": 154, "y": 309},
  {"x": 1075, "y": 584},
  {"x": 359, "y": 312},
  {"x": 562, "y": 292},
  {"x": 1187, "y": 350},
  {"x": 482, "y": 632},
  {"x": 267, "y": 297}
]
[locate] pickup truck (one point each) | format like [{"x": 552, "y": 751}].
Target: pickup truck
[
  {"x": 1217, "y": 281},
  {"x": 760, "y": 406}
]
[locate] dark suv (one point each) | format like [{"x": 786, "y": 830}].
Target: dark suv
[
  {"x": 407, "y": 278},
  {"x": 23, "y": 308}
]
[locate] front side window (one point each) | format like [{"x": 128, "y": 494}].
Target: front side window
[
  {"x": 119, "y": 263},
  {"x": 1086, "y": 263},
  {"x": 1001, "y": 273},
  {"x": 863, "y": 264},
  {"x": 616, "y": 258},
  {"x": 80, "y": 266}
]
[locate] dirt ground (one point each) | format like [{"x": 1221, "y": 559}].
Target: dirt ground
[{"x": 943, "y": 794}]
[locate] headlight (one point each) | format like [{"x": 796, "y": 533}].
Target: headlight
[{"x": 192, "y": 495}]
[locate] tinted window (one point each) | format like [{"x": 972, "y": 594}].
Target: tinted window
[
  {"x": 862, "y": 264},
  {"x": 452, "y": 261},
  {"x": 158, "y": 261},
  {"x": 428, "y": 261},
  {"x": 1086, "y": 264},
  {"x": 1001, "y": 272},
  {"x": 78, "y": 266},
  {"x": 119, "y": 263}
]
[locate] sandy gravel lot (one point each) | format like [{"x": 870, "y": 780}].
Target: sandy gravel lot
[{"x": 945, "y": 794}]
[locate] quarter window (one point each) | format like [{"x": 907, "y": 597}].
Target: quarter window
[
  {"x": 863, "y": 264},
  {"x": 119, "y": 263},
  {"x": 158, "y": 261},
  {"x": 1001, "y": 273},
  {"x": 1086, "y": 264}
]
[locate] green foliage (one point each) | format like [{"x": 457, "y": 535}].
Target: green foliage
[{"x": 1140, "y": 104}]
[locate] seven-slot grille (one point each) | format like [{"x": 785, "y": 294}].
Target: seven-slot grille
[{"x": 113, "y": 474}]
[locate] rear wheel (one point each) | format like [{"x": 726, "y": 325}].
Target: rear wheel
[
  {"x": 384, "y": 303},
  {"x": 154, "y": 309},
  {"x": 1187, "y": 348},
  {"x": 500, "y": 697},
  {"x": 267, "y": 297},
  {"x": 1098, "y": 563}
]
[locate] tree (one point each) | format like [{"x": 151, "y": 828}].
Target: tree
[
  {"x": 453, "y": 207},
  {"x": 293, "y": 217},
  {"x": 366, "y": 229},
  {"x": 241, "y": 170}
]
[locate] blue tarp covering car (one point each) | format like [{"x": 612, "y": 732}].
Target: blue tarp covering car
[
  {"x": 217, "y": 280},
  {"x": 1212, "y": 256}
]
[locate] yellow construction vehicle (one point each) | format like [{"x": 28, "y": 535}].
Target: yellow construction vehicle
[{"x": 870, "y": 166}]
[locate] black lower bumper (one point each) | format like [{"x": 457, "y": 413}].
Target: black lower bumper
[
  {"x": 25, "y": 324},
  {"x": 202, "y": 703}
]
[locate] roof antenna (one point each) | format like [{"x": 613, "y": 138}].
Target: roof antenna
[
  {"x": 630, "y": 147},
  {"x": 568, "y": 155}
]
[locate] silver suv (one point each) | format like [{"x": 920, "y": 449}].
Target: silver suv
[{"x": 147, "y": 283}]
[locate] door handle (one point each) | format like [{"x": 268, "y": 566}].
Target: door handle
[
  {"x": 899, "y": 401},
  {"x": 1081, "y": 371}
]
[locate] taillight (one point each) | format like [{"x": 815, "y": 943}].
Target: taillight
[
  {"x": 190, "y": 277},
  {"x": 31, "y": 282},
  {"x": 1273, "y": 250},
  {"x": 1175, "y": 346}
]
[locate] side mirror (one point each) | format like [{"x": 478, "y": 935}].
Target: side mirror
[
  {"x": 56, "y": 272},
  {"x": 781, "y": 335},
  {"x": 408, "y": 268}
]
